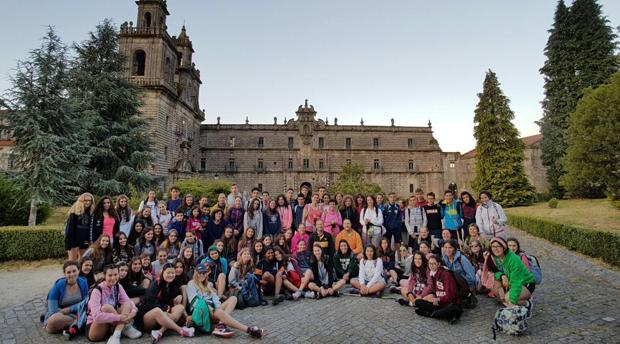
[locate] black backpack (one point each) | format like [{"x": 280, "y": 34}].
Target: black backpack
[{"x": 468, "y": 299}]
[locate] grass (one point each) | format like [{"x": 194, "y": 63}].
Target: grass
[
  {"x": 58, "y": 216},
  {"x": 597, "y": 214}
]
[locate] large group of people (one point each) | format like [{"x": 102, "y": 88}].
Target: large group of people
[{"x": 175, "y": 265}]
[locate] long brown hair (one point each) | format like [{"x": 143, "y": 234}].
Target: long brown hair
[{"x": 98, "y": 251}]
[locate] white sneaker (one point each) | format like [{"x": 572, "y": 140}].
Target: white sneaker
[
  {"x": 114, "y": 339},
  {"x": 131, "y": 332},
  {"x": 187, "y": 331},
  {"x": 296, "y": 295},
  {"x": 309, "y": 295},
  {"x": 156, "y": 335}
]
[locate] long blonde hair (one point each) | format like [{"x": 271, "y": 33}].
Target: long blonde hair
[
  {"x": 78, "y": 207},
  {"x": 203, "y": 286}
]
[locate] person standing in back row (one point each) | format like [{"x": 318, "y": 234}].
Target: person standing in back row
[
  {"x": 392, "y": 221},
  {"x": 433, "y": 216}
]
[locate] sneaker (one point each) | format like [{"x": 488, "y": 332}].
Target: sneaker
[
  {"x": 114, "y": 339},
  {"x": 156, "y": 335},
  {"x": 403, "y": 302},
  {"x": 287, "y": 295},
  {"x": 394, "y": 290},
  {"x": 336, "y": 294},
  {"x": 69, "y": 333},
  {"x": 131, "y": 332},
  {"x": 309, "y": 295},
  {"x": 187, "y": 331},
  {"x": 222, "y": 331},
  {"x": 297, "y": 295},
  {"x": 530, "y": 306},
  {"x": 256, "y": 332},
  {"x": 277, "y": 299}
]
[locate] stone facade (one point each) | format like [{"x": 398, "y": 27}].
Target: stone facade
[
  {"x": 6, "y": 144},
  {"x": 461, "y": 169},
  {"x": 163, "y": 66},
  {"x": 281, "y": 155}
]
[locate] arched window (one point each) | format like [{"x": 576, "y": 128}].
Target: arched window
[
  {"x": 147, "y": 19},
  {"x": 139, "y": 60}
]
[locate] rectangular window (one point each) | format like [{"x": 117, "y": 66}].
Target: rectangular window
[
  {"x": 348, "y": 161},
  {"x": 321, "y": 164},
  {"x": 203, "y": 164},
  {"x": 231, "y": 165},
  {"x": 410, "y": 143},
  {"x": 291, "y": 142},
  {"x": 290, "y": 164},
  {"x": 260, "y": 164},
  {"x": 260, "y": 187},
  {"x": 375, "y": 143},
  {"x": 347, "y": 143},
  {"x": 260, "y": 142},
  {"x": 375, "y": 164},
  {"x": 451, "y": 164},
  {"x": 231, "y": 141},
  {"x": 306, "y": 164},
  {"x": 410, "y": 165},
  {"x": 410, "y": 188},
  {"x": 321, "y": 142}
]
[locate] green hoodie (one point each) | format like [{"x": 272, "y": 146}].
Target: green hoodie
[
  {"x": 518, "y": 275},
  {"x": 341, "y": 261}
]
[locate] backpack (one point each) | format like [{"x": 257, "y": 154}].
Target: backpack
[
  {"x": 468, "y": 299},
  {"x": 201, "y": 316},
  {"x": 250, "y": 291},
  {"x": 535, "y": 268},
  {"x": 510, "y": 320}
]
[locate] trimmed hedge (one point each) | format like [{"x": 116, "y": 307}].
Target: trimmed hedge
[
  {"x": 588, "y": 241},
  {"x": 31, "y": 243}
]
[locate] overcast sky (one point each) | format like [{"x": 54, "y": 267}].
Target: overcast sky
[{"x": 408, "y": 60}]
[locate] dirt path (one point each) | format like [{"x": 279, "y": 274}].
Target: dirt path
[{"x": 22, "y": 282}]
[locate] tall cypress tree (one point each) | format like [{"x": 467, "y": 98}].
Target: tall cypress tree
[
  {"x": 108, "y": 104},
  {"x": 580, "y": 54},
  {"x": 44, "y": 128},
  {"x": 499, "y": 151}
]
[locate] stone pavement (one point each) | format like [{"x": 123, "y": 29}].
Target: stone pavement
[{"x": 578, "y": 302}]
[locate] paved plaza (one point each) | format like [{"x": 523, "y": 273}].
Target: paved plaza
[{"x": 578, "y": 302}]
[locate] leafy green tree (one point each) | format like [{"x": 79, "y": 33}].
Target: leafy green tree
[
  {"x": 499, "y": 151},
  {"x": 209, "y": 188},
  {"x": 15, "y": 204},
  {"x": 351, "y": 181},
  {"x": 592, "y": 160},
  {"x": 44, "y": 129},
  {"x": 118, "y": 138},
  {"x": 580, "y": 54}
]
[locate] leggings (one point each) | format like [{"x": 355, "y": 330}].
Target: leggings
[{"x": 428, "y": 309}]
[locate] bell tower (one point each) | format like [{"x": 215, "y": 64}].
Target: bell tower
[
  {"x": 306, "y": 122},
  {"x": 152, "y": 14}
]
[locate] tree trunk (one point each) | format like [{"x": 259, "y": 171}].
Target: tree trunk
[{"x": 32, "y": 218}]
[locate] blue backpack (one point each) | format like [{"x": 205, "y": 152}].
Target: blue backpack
[
  {"x": 535, "y": 269},
  {"x": 250, "y": 291}
]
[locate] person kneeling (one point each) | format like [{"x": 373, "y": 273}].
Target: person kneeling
[
  {"x": 440, "y": 300},
  {"x": 110, "y": 307},
  {"x": 199, "y": 288}
]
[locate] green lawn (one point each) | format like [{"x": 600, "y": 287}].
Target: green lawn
[
  {"x": 591, "y": 213},
  {"x": 58, "y": 216}
]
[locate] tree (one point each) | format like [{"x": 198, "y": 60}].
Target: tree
[
  {"x": 499, "y": 151},
  {"x": 580, "y": 54},
  {"x": 200, "y": 187},
  {"x": 351, "y": 181},
  {"x": 592, "y": 160},
  {"x": 118, "y": 138},
  {"x": 44, "y": 129}
]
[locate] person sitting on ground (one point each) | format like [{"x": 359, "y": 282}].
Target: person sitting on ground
[
  {"x": 219, "y": 312},
  {"x": 474, "y": 234},
  {"x": 136, "y": 232},
  {"x": 132, "y": 290},
  {"x": 258, "y": 249},
  {"x": 86, "y": 271},
  {"x": 303, "y": 258},
  {"x": 300, "y": 235},
  {"x": 145, "y": 244},
  {"x": 285, "y": 270},
  {"x": 65, "y": 301},
  {"x": 352, "y": 237},
  {"x": 385, "y": 253},
  {"x": 323, "y": 272},
  {"x": 476, "y": 257},
  {"x": 402, "y": 263},
  {"x": 109, "y": 308},
  {"x": 345, "y": 265},
  {"x": 455, "y": 261},
  {"x": 514, "y": 284},
  {"x": 219, "y": 271},
  {"x": 243, "y": 266},
  {"x": 246, "y": 241},
  {"x": 172, "y": 245},
  {"x": 266, "y": 271},
  {"x": 162, "y": 258},
  {"x": 413, "y": 288},
  {"x": 370, "y": 280},
  {"x": 121, "y": 250},
  {"x": 515, "y": 246},
  {"x": 181, "y": 277},
  {"x": 162, "y": 306},
  {"x": 440, "y": 299},
  {"x": 280, "y": 241},
  {"x": 425, "y": 235},
  {"x": 229, "y": 242},
  {"x": 190, "y": 243},
  {"x": 267, "y": 240},
  {"x": 101, "y": 253}
]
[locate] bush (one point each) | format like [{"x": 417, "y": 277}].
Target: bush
[
  {"x": 31, "y": 243},
  {"x": 588, "y": 241},
  {"x": 553, "y": 203},
  {"x": 542, "y": 197},
  {"x": 15, "y": 207},
  {"x": 199, "y": 187}
]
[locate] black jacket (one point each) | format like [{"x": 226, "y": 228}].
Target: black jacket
[
  {"x": 351, "y": 214},
  {"x": 80, "y": 231},
  {"x": 330, "y": 272}
]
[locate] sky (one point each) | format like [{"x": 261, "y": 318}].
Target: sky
[{"x": 413, "y": 61}]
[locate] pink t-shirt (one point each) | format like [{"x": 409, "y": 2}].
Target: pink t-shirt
[{"x": 108, "y": 225}]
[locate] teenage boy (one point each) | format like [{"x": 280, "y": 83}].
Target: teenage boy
[
  {"x": 433, "y": 216},
  {"x": 174, "y": 202},
  {"x": 392, "y": 221}
]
